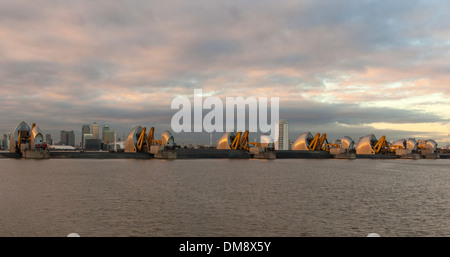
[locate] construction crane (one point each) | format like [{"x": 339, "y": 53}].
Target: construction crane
[
  {"x": 320, "y": 143},
  {"x": 317, "y": 143},
  {"x": 151, "y": 138},
  {"x": 141, "y": 141},
  {"x": 240, "y": 141},
  {"x": 328, "y": 146},
  {"x": 236, "y": 143},
  {"x": 370, "y": 145},
  {"x": 380, "y": 145}
]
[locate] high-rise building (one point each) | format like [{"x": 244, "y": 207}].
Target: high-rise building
[
  {"x": 105, "y": 130},
  {"x": 108, "y": 137},
  {"x": 8, "y": 140},
  {"x": 67, "y": 138},
  {"x": 86, "y": 129},
  {"x": 282, "y": 129},
  {"x": 63, "y": 138},
  {"x": 48, "y": 139},
  {"x": 95, "y": 130},
  {"x": 86, "y": 137},
  {"x": 91, "y": 144},
  {"x": 71, "y": 138},
  {"x": 5, "y": 141}
]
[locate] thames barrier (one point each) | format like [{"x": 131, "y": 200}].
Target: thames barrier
[{"x": 28, "y": 143}]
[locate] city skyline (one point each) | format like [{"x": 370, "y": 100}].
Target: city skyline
[
  {"x": 339, "y": 67},
  {"x": 204, "y": 139}
]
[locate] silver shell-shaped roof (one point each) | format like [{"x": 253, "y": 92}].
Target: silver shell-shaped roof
[
  {"x": 400, "y": 143},
  {"x": 411, "y": 144},
  {"x": 365, "y": 144},
  {"x": 21, "y": 127},
  {"x": 225, "y": 141},
  {"x": 431, "y": 145},
  {"x": 36, "y": 137},
  {"x": 302, "y": 142},
  {"x": 347, "y": 143},
  {"x": 130, "y": 143},
  {"x": 15, "y": 135},
  {"x": 167, "y": 139}
]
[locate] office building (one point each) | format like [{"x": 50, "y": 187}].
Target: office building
[
  {"x": 67, "y": 138},
  {"x": 63, "y": 138},
  {"x": 92, "y": 144},
  {"x": 95, "y": 131},
  {"x": 48, "y": 139},
  {"x": 108, "y": 137},
  {"x": 71, "y": 138},
  {"x": 105, "y": 128},
  {"x": 85, "y": 129},
  {"x": 86, "y": 137},
  {"x": 6, "y": 141},
  {"x": 282, "y": 129}
]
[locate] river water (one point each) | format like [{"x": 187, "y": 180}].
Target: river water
[{"x": 215, "y": 198}]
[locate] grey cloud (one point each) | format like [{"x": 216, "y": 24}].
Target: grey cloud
[
  {"x": 18, "y": 11},
  {"x": 96, "y": 69},
  {"x": 352, "y": 114},
  {"x": 371, "y": 21},
  {"x": 212, "y": 50},
  {"x": 28, "y": 73}
]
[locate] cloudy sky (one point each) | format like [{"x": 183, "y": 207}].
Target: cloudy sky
[{"x": 339, "y": 67}]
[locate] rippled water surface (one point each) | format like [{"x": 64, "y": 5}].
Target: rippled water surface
[{"x": 295, "y": 197}]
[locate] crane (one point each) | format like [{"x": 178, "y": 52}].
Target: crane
[
  {"x": 320, "y": 143},
  {"x": 151, "y": 138},
  {"x": 240, "y": 141},
  {"x": 141, "y": 141},
  {"x": 380, "y": 145}
]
